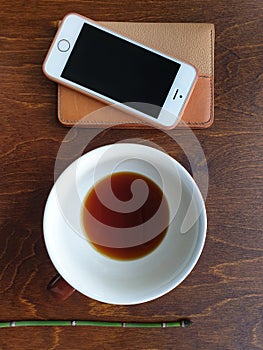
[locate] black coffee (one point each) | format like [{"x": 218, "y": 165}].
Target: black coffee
[{"x": 145, "y": 239}]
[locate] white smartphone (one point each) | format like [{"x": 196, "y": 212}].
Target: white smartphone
[{"x": 117, "y": 70}]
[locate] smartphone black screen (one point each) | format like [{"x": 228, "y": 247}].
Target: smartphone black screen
[{"x": 120, "y": 70}]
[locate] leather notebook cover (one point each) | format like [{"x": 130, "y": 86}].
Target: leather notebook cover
[{"x": 190, "y": 42}]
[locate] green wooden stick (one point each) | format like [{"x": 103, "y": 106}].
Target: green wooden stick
[{"x": 182, "y": 323}]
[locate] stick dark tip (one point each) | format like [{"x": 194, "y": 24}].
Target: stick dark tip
[{"x": 186, "y": 323}]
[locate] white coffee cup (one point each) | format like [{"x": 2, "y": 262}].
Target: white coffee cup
[{"x": 118, "y": 281}]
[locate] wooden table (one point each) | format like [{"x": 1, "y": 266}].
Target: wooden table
[{"x": 223, "y": 294}]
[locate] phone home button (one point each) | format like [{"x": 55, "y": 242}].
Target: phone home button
[{"x": 63, "y": 45}]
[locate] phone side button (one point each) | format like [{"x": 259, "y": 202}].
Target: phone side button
[{"x": 63, "y": 45}]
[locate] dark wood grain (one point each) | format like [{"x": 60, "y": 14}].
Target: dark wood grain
[{"x": 223, "y": 294}]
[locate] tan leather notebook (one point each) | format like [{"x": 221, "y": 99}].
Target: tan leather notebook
[{"x": 191, "y": 42}]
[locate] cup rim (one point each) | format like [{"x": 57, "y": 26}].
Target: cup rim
[{"x": 158, "y": 292}]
